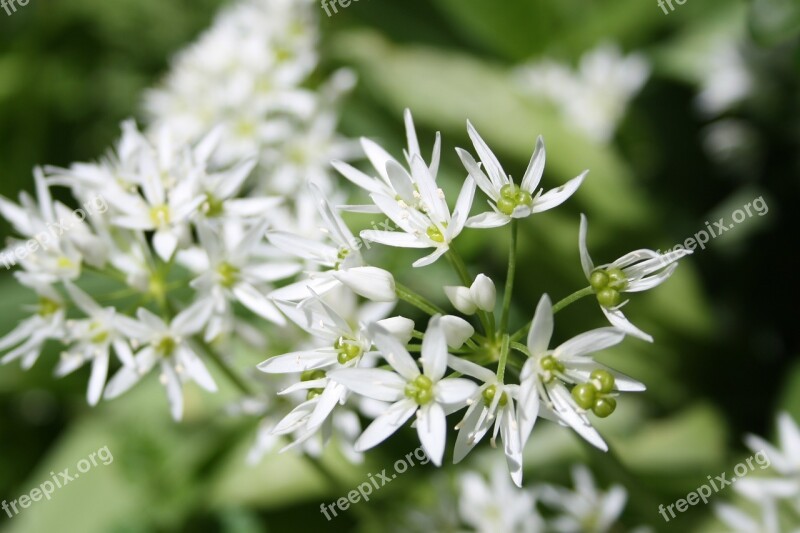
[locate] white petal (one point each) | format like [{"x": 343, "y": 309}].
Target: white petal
[
  {"x": 541, "y": 326},
  {"x": 512, "y": 444},
  {"x": 332, "y": 395},
  {"x": 559, "y": 195},
  {"x": 374, "y": 383},
  {"x": 528, "y": 406},
  {"x": 566, "y": 409},
  {"x": 533, "y": 174},
  {"x": 477, "y": 174},
  {"x": 430, "y": 259},
  {"x": 97, "y": 380},
  {"x": 386, "y": 424},
  {"x": 453, "y": 392},
  {"x": 432, "y": 431},
  {"x": 434, "y": 349},
  {"x": 297, "y": 361},
  {"x": 258, "y": 303},
  {"x": 483, "y": 293},
  {"x": 461, "y": 211},
  {"x": 490, "y": 219},
  {"x": 193, "y": 318},
  {"x": 586, "y": 259},
  {"x": 490, "y": 162},
  {"x": 618, "y": 320},
  {"x": 394, "y": 352},
  {"x": 471, "y": 369},
  {"x": 174, "y": 391},
  {"x": 589, "y": 342},
  {"x": 196, "y": 369},
  {"x": 461, "y": 298},
  {"x": 394, "y": 238},
  {"x": 469, "y": 433},
  {"x": 165, "y": 241}
]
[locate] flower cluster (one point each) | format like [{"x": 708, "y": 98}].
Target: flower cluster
[{"x": 222, "y": 218}]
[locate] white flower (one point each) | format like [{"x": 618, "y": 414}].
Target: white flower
[
  {"x": 343, "y": 259},
  {"x": 169, "y": 346},
  {"x": 726, "y": 78},
  {"x": 594, "y": 97},
  {"x": 586, "y": 509},
  {"x": 741, "y": 521},
  {"x": 786, "y": 458},
  {"x": 547, "y": 373},
  {"x": 636, "y": 271},
  {"x": 390, "y": 183},
  {"x": 234, "y": 270},
  {"x": 428, "y": 393},
  {"x": 497, "y": 506},
  {"x": 494, "y": 403},
  {"x": 93, "y": 339},
  {"x": 507, "y": 199},
  {"x": 428, "y": 222},
  {"x": 26, "y": 340},
  {"x": 345, "y": 344},
  {"x": 480, "y": 295}
]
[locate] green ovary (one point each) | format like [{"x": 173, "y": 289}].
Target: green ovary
[
  {"x": 512, "y": 197},
  {"x": 420, "y": 390},
  {"x": 348, "y": 350},
  {"x": 607, "y": 285}
]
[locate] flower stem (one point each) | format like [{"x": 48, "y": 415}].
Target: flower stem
[
  {"x": 501, "y": 366},
  {"x": 512, "y": 267},
  {"x": 561, "y": 304},
  {"x": 418, "y": 301},
  {"x": 229, "y": 372}
]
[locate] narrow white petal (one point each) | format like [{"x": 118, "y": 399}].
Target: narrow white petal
[
  {"x": 297, "y": 361},
  {"x": 528, "y": 406},
  {"x": 489, "y": 219},
  {"x": 493, "y": 167},
  {"x": 394, "y": 238},
  {"x": 559, "y": 195},
  {"x": 97, "y": 380},
  {"x": 434, "y": 349},
  {"x": 258, "y": 303},
  {"x": 586, "y": 259},
  {"x": 589, "y": 342},
  {"x": 372, "y": 283},
  {"x": 174, "y": 391},
  {"x": 432, "y": 431},
  {"x": 541, "y": 326},
  {"x": 394, "y": 352},
  {"x": 618, "y": 320},
  {"x": 431, "y": 258},
  {"x": 533, "y": 175},
  {"x": 453, "y": 392},
  {"x": 386, "y": 424},
  {"x": 477, "y": 174},
  {"x": 374, "y": 383},
  {"x": 165, "y": 241}
]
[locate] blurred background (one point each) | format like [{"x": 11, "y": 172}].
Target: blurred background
[{"x": 683, "y": 116}]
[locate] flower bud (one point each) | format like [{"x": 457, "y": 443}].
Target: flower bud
[
  {"x": 483, "y": 293},
  {"x": 461, "y": 299},
  {"x": 399, "y": 327},
  {"x": 456, "y": 330},
  {"x": 372, "y": 283}
]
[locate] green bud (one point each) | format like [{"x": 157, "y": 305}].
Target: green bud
[
  {"x": 603, "y": 407},
  {"x": 506, "y": 205},
  {"x": 551, "y": 364},
  {"x": 598, "y": 280},
  {"x": 348, "y": 350},
  {"x": 584, "y": 395},
  {"x": 489, "y": 393},
  {"x": 616, "y": 279},
  {"x": 608, "y": 297},
  {"x": 524, "y": 198},
  {"x": 509, "y": 191},
  {"x": 311, "y": 375},
  {"x": 605, "y": 378},
  {"x": 420, "y": 390},
  {"x": 434, "y": 234}
]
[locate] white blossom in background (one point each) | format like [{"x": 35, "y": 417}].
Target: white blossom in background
[
  {"x": 507, "y": 199},
  {"x": 584, "y": 509},
  {"x": 592, "y": 97},
  {"x": 726, "y": 79},
  {"x": 497, "y": 505},
  {"x": 636, "y": 271}
]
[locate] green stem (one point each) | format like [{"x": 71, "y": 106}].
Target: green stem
[
  {"x": 561, "y": 304},
  {"x": 229, "y": 372},
  {"x": 501, "y": 367},
  {"x": 420, "y": 302},
  {"x": 512, "y": 267}
]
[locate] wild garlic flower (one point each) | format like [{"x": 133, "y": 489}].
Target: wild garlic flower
[
  {"x": 428, "y": 394},
  {"x": 25, "y": 341},
  {"x": 341, "y": 258},
  {"x": 507, "y": 199},
  {"x": 548, "y": 375},
  {"x": 594, "y": 97},
  {"x": 636, "y": 271},
  {"x": 493, "y": 404},
  {"x": 92, "y": 338},
  {"x": 586, "y": 509},
  {"x": 169, "y": 346}
]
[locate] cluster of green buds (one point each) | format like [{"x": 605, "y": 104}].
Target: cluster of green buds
[
  {"x": 607, "y": 285},
  {"x": 595, "y": 395},
  {"x": 490, "y": 392},
  {"x": 512, "y": 197},
  {"x": 420, "y": 389},
  {"x": 551, "y": 367},
  {"x": 312, "y": 375},
  {"x": 348, "y": 350}
]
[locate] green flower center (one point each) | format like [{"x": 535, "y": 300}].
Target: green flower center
[
  {"x": 311, "y": 375},
  {"x": 512, "y": 197},
  {"x": 212, "y": 206},
  {"x": 100, "y": 334},
  {"x": 159, "y": 215},
  {"x": 607, "y": 285},
  {"x": 420, "y": 390},
  {"x": 489, "y": 394},
  {"x": 435, "y": 234},
  {"x": 165, "y": 346},
  {"x": 47, "y": 306},
  {"x": 228, "y": 274},
  {"x": 348, "y": 350}
]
